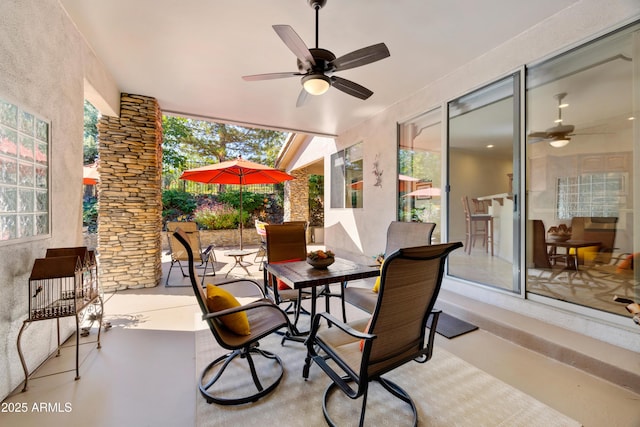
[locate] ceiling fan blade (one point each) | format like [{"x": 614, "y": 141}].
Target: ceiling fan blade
[
  {"x": 560, "y": 130},
  {"x": 302, "y": 98},
  {"x": 351, "y": 88},
  {"x": 363, "y": 56},
  {"x": 542, "y": 135},
  {"x": 270, "y": 76},
  {"x": 295, "y": 44}
]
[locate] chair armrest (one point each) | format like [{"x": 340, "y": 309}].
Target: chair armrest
[{"x": 340, "y": 325}]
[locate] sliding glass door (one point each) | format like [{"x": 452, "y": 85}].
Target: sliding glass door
[
  {"x": 582, "y": 154},
  {"x": 483, "y": 176}
]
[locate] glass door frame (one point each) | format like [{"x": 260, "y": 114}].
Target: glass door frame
[{"x": 518, "y": 92}]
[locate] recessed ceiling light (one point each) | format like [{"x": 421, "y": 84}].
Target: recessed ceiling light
[
  {"x": 631, "y": 118},
  {"x": 490, "y": 146}
]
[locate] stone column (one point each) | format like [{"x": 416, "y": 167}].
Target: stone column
[
  {"x": 296, "y": 197},
  {"x": 130, "y": 195}
]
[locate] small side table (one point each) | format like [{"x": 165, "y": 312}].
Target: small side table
[{"x": 238, "y": 256}]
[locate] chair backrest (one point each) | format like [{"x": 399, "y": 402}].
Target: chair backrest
[
  {"x": 286, "y": 242},
  {"x": 183, "y": 244},
  {"x": 597, "y": 229},
  {"x": 190, "y": 228},
  {"x": 480, "y": 206},
  {"x": 408, "y": 234},
  {"x": 409, "y": 285},
  {"x": 261, "y": 230},
  {"x": 465, "y": 206},
  {"x": 540, "y": 255},
  {"x": 305, "y": 224},
  {"x": 223, "y": 336}
]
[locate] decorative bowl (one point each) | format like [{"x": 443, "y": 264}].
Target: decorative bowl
[
  {"x": 561, "y": 233},
  {"x": 320, "y": 263},
  {"x": 558, "y": 237},
  {"x": 320, "y": 259}
]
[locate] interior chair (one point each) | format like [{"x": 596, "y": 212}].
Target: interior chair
[
  {"x": 542, "y": 259},
  {"x": 285, "y": 243},
  {"x": 477, "y": 226},
  {"x": 356, "y": 353},
  {"x": 262, "y": 317},
  {"x": 262, "y": 251},
  {"x": 399, "y": 235},
  {"x": 480, "y": 206},
  {"x": 179, "y": 255},
  {"x": 540, "y": 254}
]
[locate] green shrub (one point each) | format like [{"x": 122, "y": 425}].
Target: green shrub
[
  {"x": 176, "y": 204},
  {"x": 251, "y": 202},
  {"x": 218, "y": 217},
  {"x": 90, "y": 214}
]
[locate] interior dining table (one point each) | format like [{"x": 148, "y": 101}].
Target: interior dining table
[
  {"x": 301, "y": 275},
  {"x": 570, "y": 256}
]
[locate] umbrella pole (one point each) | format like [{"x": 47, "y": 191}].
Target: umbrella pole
[{"x": 241, "y": 221}]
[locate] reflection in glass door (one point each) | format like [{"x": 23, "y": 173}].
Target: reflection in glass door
[
  {"x": 483, "y": 138},
  {"x": 582, "y": 157},
  {"x": 420, "y": 170}
]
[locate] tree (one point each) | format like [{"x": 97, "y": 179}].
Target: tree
[
  {"x": 90, "y": 139},
  {"x": 216, "y": 142}
]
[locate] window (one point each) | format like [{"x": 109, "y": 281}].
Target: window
[
  {"x": 24, "y": 173},
  {"x": 347, "y": 178},
  {"x": 600, "y": 195}
]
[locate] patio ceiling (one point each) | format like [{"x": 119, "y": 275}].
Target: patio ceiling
[{"x": 190, "y": 55}]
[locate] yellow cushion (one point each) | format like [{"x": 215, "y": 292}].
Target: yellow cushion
[
  {"x": 586, "y": 255},
  {"x": 218, "y": 299},
  {"x": 376, "y": 286}
]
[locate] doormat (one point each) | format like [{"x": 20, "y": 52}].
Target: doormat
[{"x": 451, "y": 327}]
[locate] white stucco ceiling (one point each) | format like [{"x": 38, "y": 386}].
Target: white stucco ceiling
[{"x": 190, "y": 55}]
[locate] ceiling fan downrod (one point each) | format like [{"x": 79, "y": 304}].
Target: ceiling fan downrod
[{"x": 317, "y": 5}]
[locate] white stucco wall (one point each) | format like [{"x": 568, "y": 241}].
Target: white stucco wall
[
  {"x": 43, "y": 60},
  {"x": 359, "y": 233}
]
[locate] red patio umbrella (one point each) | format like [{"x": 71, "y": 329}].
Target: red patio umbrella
[
  {"x": 90, "y": 175},
  {"x": 237, "y": 172},
  {"x": 424, "y": 192}
]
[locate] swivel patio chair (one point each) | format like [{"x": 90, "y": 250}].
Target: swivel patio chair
[
  {"x": 356, "y": 353},
  {"x": 399, "y": 235},
  {"x": 257, "y": 316},
  {"x": 178, "y": 254}
]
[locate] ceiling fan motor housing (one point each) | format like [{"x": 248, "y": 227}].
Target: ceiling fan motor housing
[
  {"x": 323, "y": 58},
  {"x": 317, "y": 4}
]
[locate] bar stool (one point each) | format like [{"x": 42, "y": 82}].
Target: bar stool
[{"x": 477, "y": 225}]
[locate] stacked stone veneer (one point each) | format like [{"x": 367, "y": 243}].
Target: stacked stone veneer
[
  {"x": 296, "y": 197},
  {"x": 130, "y": 195}
]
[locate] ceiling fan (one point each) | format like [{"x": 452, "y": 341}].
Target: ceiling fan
[
  {"x": 557, "y": 136},
  {"x": 316, "y": 66}
]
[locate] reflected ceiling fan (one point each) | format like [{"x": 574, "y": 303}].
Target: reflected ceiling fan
[
  {"x": 316, "y": 66},
  {"x": 557, "y": 136}
]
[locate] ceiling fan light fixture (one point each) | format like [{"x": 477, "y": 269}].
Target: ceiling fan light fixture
[
  {"x": 559, "y": 142},
  {"x": 316, "y": 84}
]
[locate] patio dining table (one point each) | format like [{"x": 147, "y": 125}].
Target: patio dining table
[{"x": 301, "y": 275}]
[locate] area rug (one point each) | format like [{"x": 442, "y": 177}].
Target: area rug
[
  {"x": 447, "y": 391},
  {"x": 451, "y": 327}
]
